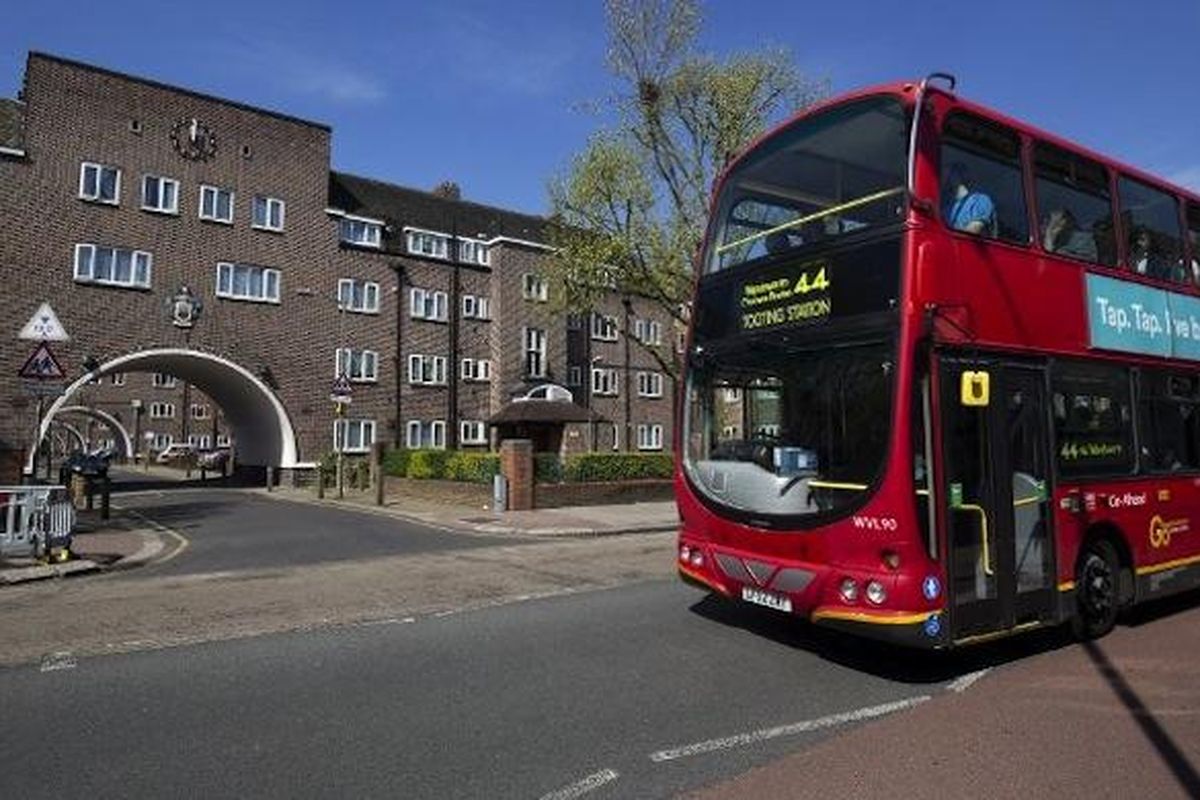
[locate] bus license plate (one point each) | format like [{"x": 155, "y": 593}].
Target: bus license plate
[{"x": 760, "y": 597}]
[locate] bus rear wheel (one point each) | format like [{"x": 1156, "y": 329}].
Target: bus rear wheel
[{"x": 1096, "y": 595}]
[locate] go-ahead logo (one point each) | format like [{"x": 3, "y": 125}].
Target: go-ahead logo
[{"x": 1161, "y": 530}]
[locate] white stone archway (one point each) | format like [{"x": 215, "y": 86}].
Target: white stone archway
[
  {"x": 113, "y": 424},
  {"x": 260, "y": 424}
]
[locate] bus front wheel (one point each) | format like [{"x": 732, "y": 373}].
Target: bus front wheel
[{"x": 1096, "y": 595}]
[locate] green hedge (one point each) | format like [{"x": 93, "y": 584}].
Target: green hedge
[
  {"x": 600, "y": 467},
  {"x": 479, "y": 467}
]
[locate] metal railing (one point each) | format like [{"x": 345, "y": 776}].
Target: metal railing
[{"x": 37, "y": 520}]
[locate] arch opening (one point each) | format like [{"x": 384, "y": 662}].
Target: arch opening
[{"x": 259, "y": 422}]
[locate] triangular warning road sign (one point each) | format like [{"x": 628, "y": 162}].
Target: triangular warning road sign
[
  {"x": 42, "y": 365},
  {"x": 44, "y": 326}
]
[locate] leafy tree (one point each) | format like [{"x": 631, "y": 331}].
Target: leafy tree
[{"x": 632, "y": 205}]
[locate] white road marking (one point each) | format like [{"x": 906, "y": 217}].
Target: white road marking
[
  {"x": 961, "y": 684},
  {"x": 582, "y": 787},
  {"x": 388, "y": 621},
  {"x": 54, "y": 662},
  {"x": 806, "y": 726}
]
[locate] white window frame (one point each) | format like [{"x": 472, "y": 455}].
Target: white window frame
[
  {"x": 428, "y": 304},
  {"x": 216, "y": 191},
  {"x": 267, "y": 203},
  {"x": 162, "y": 441},
  {"x": 359, "y": 366},
  {"x": 162, "y": 380},
  {"x": 412, "y": 434},
  {"x": 474, "y": 251},
  {"x": 199, "y": 411},
  {"x": 427, "y": 370},
  {"x": 348, "y": 288},
  {"x": 360, "y": 232},
  {"x": 606, "y": 382},
  {"x": 200, "y": 441},
  {"x": 428, "y": 244},
  {"x": 341, "y": 435},
  {"x": 141, "y": 266},
  {"x": 575, "y": 375},
  {"x": 648, "y": 331},
  {"x": 472, "y": 432},
  {"x": 533, "y": 341},
  {"x": 118, "y": 379},
  {"x": 437, "y": 434},
  {"x": 616, "y": 432},
  {"x": 650, "y": 384},
  {"x": 161, "y": 208},
  {"x": 650, "y": 437},
  {"x": 476, "y": 306},
  {"x": 534, "y": 287},
  {"x": 95, "y": 196},
  {"x": 162, "y": 409},
  {"x": 271, "y": 279},
  {"x": 604, "y": 327},
  {"x": 478, "y": 370}
]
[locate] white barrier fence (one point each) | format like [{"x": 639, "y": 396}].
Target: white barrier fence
[{"x": 35, "y": 519}]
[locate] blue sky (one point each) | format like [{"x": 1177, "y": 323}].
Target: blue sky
[{"x": 491, "y": 94}]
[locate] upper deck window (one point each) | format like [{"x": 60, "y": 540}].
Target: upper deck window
[
  {"x": 825, "y": 176},
  {"x": 1150, "y": 219},
  {"x": 982, "y": 192},
  {"x": 1193, "y": 232},
  {"x": 1074, "y": 205}
]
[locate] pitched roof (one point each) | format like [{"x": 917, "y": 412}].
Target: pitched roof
[
  {"x": 12, "y": 124},
  {"x": 401, "y": 207}
]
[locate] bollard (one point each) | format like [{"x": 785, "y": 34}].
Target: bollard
[
  {"x": 105, "y": 497},
  {"x": 320, "y": 483},
  {"x": 270, "y": 478},
  {"x": 377, "y": 471}
]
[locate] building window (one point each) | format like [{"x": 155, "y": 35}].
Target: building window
[
  {"x": 575, "y": 376},
  {"x": 604, "y": 327},
  {"x": 358, "y": 296},
  {"x": 361, "y": 232},
  {"x": 112, "y": 266},
  {"x": 426, "y": 243},
  {"x": 535, "y": 352},
  {"x": 616, "y": 436},
  {"x": 160, "y": 194},
  {"x": 266, "y": 213},
  {"x": 428, "y": 305},
  {"x": 162, "y": 441},
  {"x": 357, "y": 365},
  {"x": 353, "y": 435},
  {"x": 200, "y": 441},
  {"x": 118, "y": 379},
  {"x": 223, "y": 440},
  {"x": 605, "y": 381},
  {"x": 216, "y": 204},
  {"x": 420, "y": 435},
  {"x": 650, "y": 384},
  {"x": 649, "y": 437},
  {"x": 533, "y": 287},
  {"x": 473, "y": 252},
  {"x": 472, "y": 432},
  {"x": 476, "y": 307},
  {"x": 162, "y": 380},
  {"x": 476, "y": 369},
  {"x": 246, "y": 282},
  {"x": 199, "y": 411},
  {"x": 161, "y": 410},
  {"x": 428, "y": 370},
  {"x": 648, "y": 331},
  {"x": 100, "y": 183}
]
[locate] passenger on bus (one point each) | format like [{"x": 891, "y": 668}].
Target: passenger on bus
[
  {"x": 1062, "y": 235},
  {"x": 966, "y": 209},
  {"x": 1144, "y": 258}
]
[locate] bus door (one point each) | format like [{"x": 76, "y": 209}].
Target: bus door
[{"x": 995, "y": 498}]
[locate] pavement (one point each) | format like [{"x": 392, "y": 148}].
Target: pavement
[
  {"x": 121, "y": 542},
  {"x": 572, "y": 522},
  {"x": 1119, "y": 717}
]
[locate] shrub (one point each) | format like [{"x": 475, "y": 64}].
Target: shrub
[
  {"x": 472, "y": 467},
  {"x": 425, "y": 464},
  {"x": 395, "y": 462},
  {"x": 587, "y": 467},
  {"x": 547, "y": 468}
]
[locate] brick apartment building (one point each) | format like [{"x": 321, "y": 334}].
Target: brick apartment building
[{"x": 119, "y": 195}]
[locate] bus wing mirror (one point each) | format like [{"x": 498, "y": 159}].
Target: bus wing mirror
[{"x": 975, "y": 388}]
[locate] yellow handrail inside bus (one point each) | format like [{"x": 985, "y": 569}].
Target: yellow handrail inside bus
[
  {"x": 849, "y": 487},
  {"x": 861, "y": 201},
  {"x": 983, "y": 535}
]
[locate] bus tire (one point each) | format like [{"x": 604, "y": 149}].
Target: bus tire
[{"x": 1097, "y": 592}]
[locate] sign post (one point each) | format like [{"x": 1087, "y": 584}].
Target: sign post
[
  {"x": 42, "y": 374},
  {"x": 340, "y": 394}
]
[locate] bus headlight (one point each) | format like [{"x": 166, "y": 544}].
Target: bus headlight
[
  {"x": 697, "y": 557},
  {"x": 685, "y": 553},
  {"x": 849, "y": 590},
  {"x": 876, "y": 594}
]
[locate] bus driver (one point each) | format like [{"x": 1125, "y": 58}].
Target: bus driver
[{"x": 965, "y": 209}]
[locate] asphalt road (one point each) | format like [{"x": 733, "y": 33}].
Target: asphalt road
[
  {"x": 231, "y": 530},
  {"x": 519, "y": 700}
]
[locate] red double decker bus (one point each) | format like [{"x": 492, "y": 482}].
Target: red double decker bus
[{"x": 942, "y": 378}]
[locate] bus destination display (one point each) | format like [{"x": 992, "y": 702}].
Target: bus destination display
[{"x": 799, "y": 295}]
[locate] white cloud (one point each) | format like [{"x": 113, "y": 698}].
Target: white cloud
[{"x": 304, "y": 72}]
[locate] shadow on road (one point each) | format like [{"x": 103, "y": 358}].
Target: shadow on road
[
  {"x": 885, "y": 661},
  {"x": 183, "y": 515}
]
